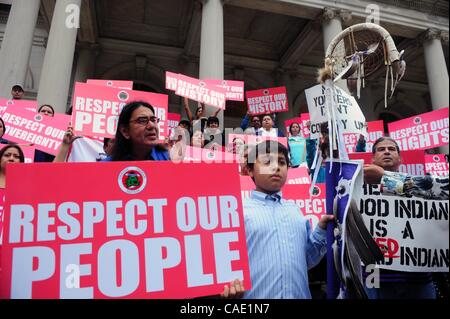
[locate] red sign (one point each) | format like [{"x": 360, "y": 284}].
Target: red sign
[
  {"x": 2, "y": 203},
  {"x": 28, "y": 152},
  {"x": 234, "y": 89},
  {"x": 375, "y": 130},
  {"x": 45, "y": 132},
  {"x": 22, "y": 104},
  {"x": 436, "y": 164},
  {"x": 413, "y": 162},
  {"x": 208, "y": 155},
  {"x": 305, "y": 127},
  {"x": 124, "y": 232},
  {"x": 173, "y": 121},
  {"x": 195, "y": 89},
  {"x": 298, "y": 176},
  {"x": 127, "y": 85},
  {"x": 96, "y": 109},
  {"x": 424, "y": 131},
  {"x": 265, "y": 101},
  {"x": 241, "y": 139}
]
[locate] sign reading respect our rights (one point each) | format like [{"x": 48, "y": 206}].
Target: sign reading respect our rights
[{"x": 123, "y": 232}]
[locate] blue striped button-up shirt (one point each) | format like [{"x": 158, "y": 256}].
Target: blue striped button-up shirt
[{"x": 281, "y": 247}]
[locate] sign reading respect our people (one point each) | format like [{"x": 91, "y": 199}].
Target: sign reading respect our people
[
  {"x": 412, "y": 162},
  {"x": 96, "y": 109},
  {"x": 424, "y": 131},
  {"x": 234, "y": 89},
  {"x": 375, "y": 130},
  {"x": 195, "y": 89},
  {"x": 436, "y": 164},
  {"x": 271, "y": 100},
  {"x": 127, "y": 85},
  {"x": 45, "y": 132},
  {"x": 123, "y": 232},
  {"x": 348, "y": 114}
]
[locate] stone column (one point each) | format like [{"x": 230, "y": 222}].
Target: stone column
[
  {"x": 58, "y": 61},
  {"x": 211, "y": 45},
  {"x": 437, "y": 73},
  {"x": 85, "y": 68},
  {"x": 284, "y": 79},
  {"x": 16, "y": 46}
]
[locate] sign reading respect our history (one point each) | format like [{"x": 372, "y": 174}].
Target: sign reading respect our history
[
  {"x": 28, "y": 127},
  {"x": 348, "y": 114},
  {"x": 96, "y": 109},
  {"x": 123, "y": 232},
  {"x": 436, "y": 164},
  {"x": 412, "y": 232},
  {"x": 195, "y": 89},
  {"x": 424, "y": 131},
  {"x": 272, "y": 100}
]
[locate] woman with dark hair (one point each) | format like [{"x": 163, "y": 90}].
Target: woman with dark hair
[
  {"x": 9, "y": 154},
  {"x": 137, "y": 135},
  {"x": 2, "y": 131},
  {"x": 47, "y": 110},
  {"x": 40, "y": 156},
  {"x": 297, "y": 145}
]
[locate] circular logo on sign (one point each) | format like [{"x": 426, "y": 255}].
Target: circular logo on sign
[
  {"x": 316, "y": 191},
  {"x": 10, "y": 102},
  {"x": 436, "y": 158},
  {"x": 210, "y": 155},
  {"x": 109, "y": 83},
  {"x": 38, "y": 117},
  {"x": 202, "y": 84},
  {"x": 266, "y": 92},
  {"x": 417, "y": 120},
  {"x": 224, "y": 82},
  {"x": 132, "y": 180},
  {"x": 123, "y": 96}
]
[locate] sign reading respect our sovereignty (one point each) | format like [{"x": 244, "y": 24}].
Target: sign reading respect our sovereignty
[
  {"x": 424, "y": 131},
  {"x": 28, "y": 127},
  {"x": 96, "y": 109},
  {"x": 273, "y": 100},
  {"x": 348, "y": 114},
  {"x": 436, "y": 164},
  {"x": 123, "y": 232},
  {"x": 412, "y": 232},
  {"x": 195, "y": 89}
]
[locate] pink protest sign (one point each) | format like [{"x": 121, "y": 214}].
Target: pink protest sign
[
  {"x": 28, "y": 152},
  {"x": 298, "y": 176},
  {"x": 288, "y": 123},
  {"x": 96, "y": 109},
  {"x": 265, "y": 101},
  {"x": 208, "y": 155},
  {"x": 234, "y": 89},
  {"x": 25, "y": 127},
  {"x": 305, "y": 127},
  {"x": 22, "y": 104},
  {"x": 173, "y": 119},
  {"x": 436, "y": 164},
  {"x": 2, "y": 203},
  {"x": 413, "y": 162},
  {"x": 127, "y": 85},
  {"x": 424, "y": 131},
  {"x": 240, "y": 139},
  {"x": 127, "y": 231},
  {"x": 375, "y": 130},
  {"x": 195, "y": 89}
]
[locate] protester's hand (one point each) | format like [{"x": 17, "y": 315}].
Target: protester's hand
[
  {"x": 69, "y": 137},
  {"x": 325, "y": 220},
  {"x": 234, "y": 291},
  {"x": 373, "y": 174}
]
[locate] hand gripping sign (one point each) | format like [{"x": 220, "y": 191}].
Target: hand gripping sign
[
  {"x": 272, "y": 100},
  {"x": 424, "y": 131},
  {"x": 123, "y": 232},
  {"x": 96, "y": 109},
  {"x": 195, "y": 89}
]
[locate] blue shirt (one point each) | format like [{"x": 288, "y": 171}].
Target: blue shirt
[
  {"x": 154, "y": 155},
  {"x": 297, "y": 150},
  {"x": 281, "y": 247}
]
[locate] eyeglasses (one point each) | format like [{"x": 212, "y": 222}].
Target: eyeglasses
[{"x": 143, "y": 120}]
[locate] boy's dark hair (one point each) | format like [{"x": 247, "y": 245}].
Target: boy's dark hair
[
  {"x": 266, "y": 147},
  {"x": 212, "y": 119},
  {"x": 385, "y": 138}
]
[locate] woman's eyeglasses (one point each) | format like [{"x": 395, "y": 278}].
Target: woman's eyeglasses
[{"x": 143, "y": 120}]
